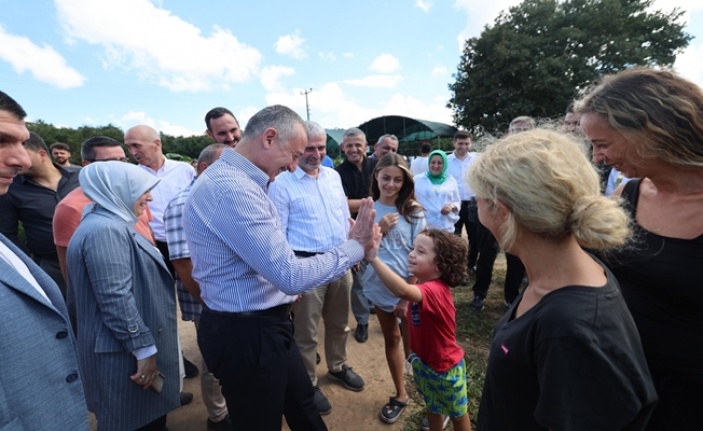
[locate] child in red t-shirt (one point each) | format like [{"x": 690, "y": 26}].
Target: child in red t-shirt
[{"x": 438, "y": 260}]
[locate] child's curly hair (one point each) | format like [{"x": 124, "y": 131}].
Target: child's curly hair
[{"x": 450, "y": 255}]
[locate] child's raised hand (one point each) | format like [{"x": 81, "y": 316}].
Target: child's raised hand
[{"x": 371, "y": 250}]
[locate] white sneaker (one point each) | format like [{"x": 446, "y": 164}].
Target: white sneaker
[
  {"x": 408, "y": 368},
  {"x": 426, "y": 425}
]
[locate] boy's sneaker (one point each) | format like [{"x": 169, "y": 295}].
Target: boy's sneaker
[
  {"x": 408, "y": 368},
  {"x": 426, "y": 425},
  {"x": 477, "y": 303},
  {"x": 348, "y": 378}
]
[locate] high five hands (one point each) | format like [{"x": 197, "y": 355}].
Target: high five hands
[{"x": 365, "y": 231}]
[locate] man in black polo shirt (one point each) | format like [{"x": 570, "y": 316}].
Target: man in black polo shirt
[
  {"x": 356, "y": 171},
  {"x": 31, "y": 200}
]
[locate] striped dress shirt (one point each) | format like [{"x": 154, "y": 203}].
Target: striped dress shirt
[{"x": 241, "y": 257}]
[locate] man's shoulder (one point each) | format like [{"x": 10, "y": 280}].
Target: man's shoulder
[
  {"x": 177, "y": 166},
  {"x": 74, "y": 199}
]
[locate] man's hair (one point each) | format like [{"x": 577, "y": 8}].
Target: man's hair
[
  {"x": 216, "y": 113},
  {"x": 353, "y": 132},
  {"x": 387, "y": 135},
  {"x": 570, "y": 108},
  {"x": 9, "y": 104},
  {"x": 210, "y": 154},
  {"x": 314, "y": 130},
  {"x": 278, "y": 117},
  {"x": 462, "y": 134},
  {"x": 450, "y": 255},
  {"x": 35, "y": 143},
  {"x": 89, "y": 145},
  {"x": 425, "y": 149},
  {"x": 526, "y": 121},
  {"x": 60, "y": 146}
]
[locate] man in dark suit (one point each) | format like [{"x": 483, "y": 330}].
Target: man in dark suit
[{"x": 41, "y": 385}]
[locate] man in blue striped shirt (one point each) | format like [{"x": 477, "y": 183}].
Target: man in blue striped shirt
[
  {"x": 249, "y": 275},
  {"x": 314, "y": 216}
]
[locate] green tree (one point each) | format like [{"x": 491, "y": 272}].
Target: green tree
[{"x": 537, "y": 57}]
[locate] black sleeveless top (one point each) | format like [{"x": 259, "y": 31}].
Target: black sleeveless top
[{"x": 662, "y": 282}]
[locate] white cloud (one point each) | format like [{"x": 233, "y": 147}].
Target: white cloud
[
  {"x": 327, "y": 56},
  {"x": 408, "y": 106},
  {"x": 270, "y": 76},
  {"x": 376, "y": 81},
  {"x": 136, "y": 118},
  {"x": 439, "y": 72},
  {"x": 348, "y": 55},
  {"x": 385, "y": 63},
  {"x": 690, "y": 63},
  {"x": 332, "y": 107},
  {"x": 43, "y": 62},
  {"x": 138, "y": 36},
  {"x": 425, "y": 5},
  {"x": 291, "y": 45}
]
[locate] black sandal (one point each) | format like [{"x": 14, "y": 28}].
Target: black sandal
[{"x": 392, "y": 411}]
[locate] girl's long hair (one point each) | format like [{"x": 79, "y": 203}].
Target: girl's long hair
[{"x": 406, "y": 203}]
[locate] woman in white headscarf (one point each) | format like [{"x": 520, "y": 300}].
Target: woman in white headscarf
[
  {"x": 438, "y": 193},
  {"x": 122, "y": 300}
]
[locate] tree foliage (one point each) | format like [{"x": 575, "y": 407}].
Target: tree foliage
[
  {"x": 537, "y": 57},
  {"x": 178, "y": 147}
]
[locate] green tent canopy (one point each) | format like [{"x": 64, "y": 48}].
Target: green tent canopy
[{"x": 406, "y": 129}]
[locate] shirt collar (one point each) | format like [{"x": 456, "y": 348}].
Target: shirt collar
[{"x": 240, "y": 162}]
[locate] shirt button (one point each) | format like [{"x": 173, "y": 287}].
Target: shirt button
[
  {"x": 61, "y": 335},
  {"x": 72, "y": 378}
]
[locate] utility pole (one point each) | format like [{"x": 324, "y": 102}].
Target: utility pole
[{"x": 307, "y": 107}]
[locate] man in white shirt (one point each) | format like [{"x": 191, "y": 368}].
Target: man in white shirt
[
  {"x": 420, "y": 164},
  {"x": 314, "y": 216},
  {"x": 459, "y": 162}
]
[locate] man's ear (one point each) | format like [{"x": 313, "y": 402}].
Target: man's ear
[
  {"x": 269, "y": 137},
  {"x": 209, "y": 133}
]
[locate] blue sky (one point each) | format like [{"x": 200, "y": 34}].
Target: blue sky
[{"x": 165, "y": 63}]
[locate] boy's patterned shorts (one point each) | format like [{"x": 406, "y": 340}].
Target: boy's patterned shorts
[{"x": 444, "y": 393}]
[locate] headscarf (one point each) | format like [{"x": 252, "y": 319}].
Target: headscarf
[
  {"x": 437, "y": 179},
  {"x": 116, "y": 187}
]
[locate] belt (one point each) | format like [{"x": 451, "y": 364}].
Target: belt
[
  {"x": 282, "y": 311},
  {"x": 300, "y": 253}
]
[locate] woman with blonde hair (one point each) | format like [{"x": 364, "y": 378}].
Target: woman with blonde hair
[
  {"x": 566, "y": 355},
  {"x": 648, "y": 124}
]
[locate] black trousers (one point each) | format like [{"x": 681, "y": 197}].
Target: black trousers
[
  {"x": 163, "y": 248},
  {"x": 468, "y": 219},
  {"x": 488, "y": 251},
  {"x": 260, "y": 370}
]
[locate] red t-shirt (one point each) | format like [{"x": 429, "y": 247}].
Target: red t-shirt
[{"x": 433, "y": 327}]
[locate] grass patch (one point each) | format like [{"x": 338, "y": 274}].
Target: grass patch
[{"x": 474, "y": 333}]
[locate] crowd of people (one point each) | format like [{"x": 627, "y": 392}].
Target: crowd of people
[{"x": 261, "y": 239}]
